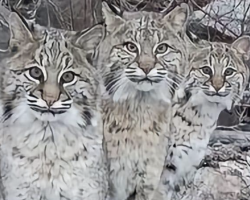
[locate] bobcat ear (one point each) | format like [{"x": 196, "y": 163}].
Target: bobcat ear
[
  {"x": 178, "y": 17},
  {"x": 89, "y": 39},
  {"x": 242, "y": 45},
  {"x": 19, "y": 31},
  {"x": 112, "y": 20}
]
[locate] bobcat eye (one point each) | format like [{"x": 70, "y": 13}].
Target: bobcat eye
[
  {"x": 229, "y": 71},
  {"x": 68, "y": 77},
  {"x": 162, "y": 48},
  {"x": 131, "y": 47},
  {"x": 36, "y": 73},
  {"x": 207, "y": 70}
]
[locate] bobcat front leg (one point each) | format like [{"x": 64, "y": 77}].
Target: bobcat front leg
[
  {"x": 149, "y": 181},
  {"x": 183, "y": 160}
]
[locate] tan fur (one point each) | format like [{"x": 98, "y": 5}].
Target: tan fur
[
  {"x": 51, "y": 128},
  {"x": 194, "y": 121},
  {"x": 136, "y": 111}
]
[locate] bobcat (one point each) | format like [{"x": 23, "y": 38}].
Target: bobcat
[
  {"x": 216, "y": 79},
  {"x": 51, "y": 128},
  {"x": 138, "y": 60}
]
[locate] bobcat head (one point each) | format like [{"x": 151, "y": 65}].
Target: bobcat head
[
  {"x": 48, "y": 75},
  {"x": 142, "y": 52},
  {"x": 218, "y": 72}
]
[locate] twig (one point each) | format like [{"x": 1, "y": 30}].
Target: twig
[
  {"x": 244, "y": 19},
  {"x": 71, "y": 16},
  {"x": 193, "y": 2}
]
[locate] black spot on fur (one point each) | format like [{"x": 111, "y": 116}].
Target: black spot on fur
[
  {"x": 87, "y": 116},
  {"x": 14, "y": 49},
  {"x": 112, "y": 127},
  {"x": 183, "y": 118},
  {"x": 171, "y": 167},
  {"x": 118, "y": 130},
  {"x": 76, "y": 157},
  {"x": 188, "y": 95},
  {"x": 90, "y": 58},
  {"x": 177, "y": 188},
  {"x": 7, "y": 111},
  {"x": 132, "y": 196}
]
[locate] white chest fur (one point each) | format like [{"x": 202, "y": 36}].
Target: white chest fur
[
  {"x": 191, "y": 127},
  {"x": 136, "y": 139},
  {"x": 52, "y": 160}
]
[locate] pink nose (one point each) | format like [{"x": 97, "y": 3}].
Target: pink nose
[
  {"x": 50, "y": 101},
  {"x": 146, "y": 69},
  {"x": 218, "y": 86}
]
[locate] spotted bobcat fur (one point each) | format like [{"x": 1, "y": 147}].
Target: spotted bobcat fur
[
  {"x": 216, "y": 79},
  {"x": 138, "y": 59},
  {"x": 51, "y": 128}
]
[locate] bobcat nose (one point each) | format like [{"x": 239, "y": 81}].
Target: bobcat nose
[
  {"x": 146, "y": 70},
  {"x": 217, "y": 84},
  {"x": 217, "y": 88},
  {"x": 50, "y": 94},
  {"x": 49, "y": 100}
]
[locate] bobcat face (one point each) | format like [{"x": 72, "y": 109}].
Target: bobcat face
[
  {"x": 143, "y": 51},
  {"x": 219, "y": 70},
  {"x": 49, "y": 78},
  {"x": 50, "y": 74}
]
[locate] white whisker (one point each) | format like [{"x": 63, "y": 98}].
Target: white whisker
[
  {"x": 177, "y": 76},
  {"x": 173, "y": 81},
  {"x": 170, "y": 85}
]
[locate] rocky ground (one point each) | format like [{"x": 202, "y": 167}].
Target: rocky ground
[{"x": 225, "y": 172}]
